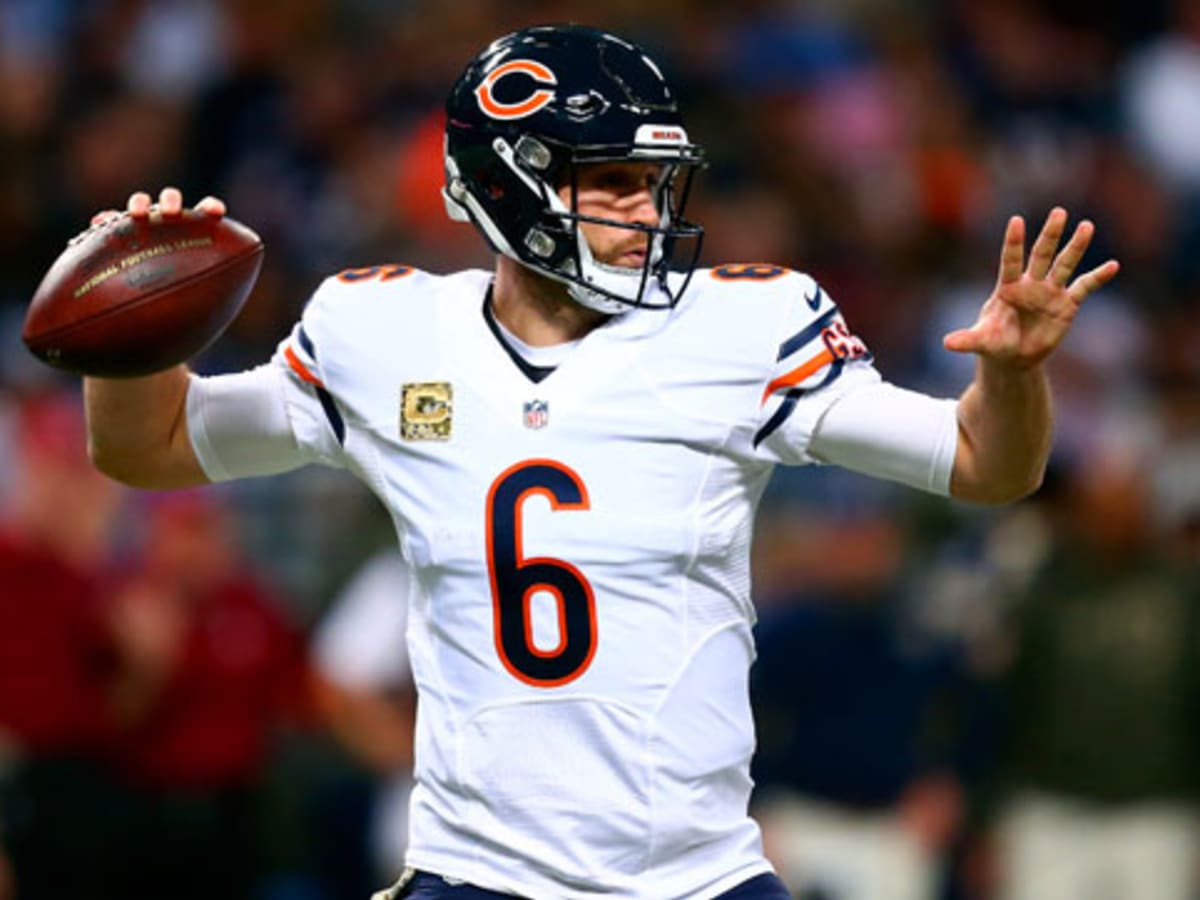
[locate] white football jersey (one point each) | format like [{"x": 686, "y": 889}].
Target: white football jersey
[{"x": 580, "y": 619}]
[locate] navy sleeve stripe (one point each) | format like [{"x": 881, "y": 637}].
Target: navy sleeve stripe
[
  {"x": 307, "y": 344},
  {"x": 332, "y": 414},
  {"x": 791, "y": 398},
  {"x": 806, "y": 334},
  {"x": 336, "y": 422}
]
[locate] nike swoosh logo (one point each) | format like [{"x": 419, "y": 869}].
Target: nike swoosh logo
[{"x": 814, "y": 302}]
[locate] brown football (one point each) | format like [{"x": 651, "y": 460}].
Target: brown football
[{"x": 131, "y": 297}]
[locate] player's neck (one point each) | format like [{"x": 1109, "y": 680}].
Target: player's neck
[{"x": 538, "y": 310}]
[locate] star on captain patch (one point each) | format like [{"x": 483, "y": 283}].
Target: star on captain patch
[
  {"x": 425, "y": 411},
  {"x": 537, "y": 414}
]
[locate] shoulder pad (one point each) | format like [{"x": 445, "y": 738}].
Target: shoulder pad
[
  {"x": 367, "y": 283},
  {"x": 768, "y": 281},
  {"x": 376, "y": 274}
]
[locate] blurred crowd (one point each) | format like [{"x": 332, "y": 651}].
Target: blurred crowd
[{"x": 205, "y": 694}]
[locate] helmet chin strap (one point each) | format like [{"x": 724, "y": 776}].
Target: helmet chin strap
[
  {"x": 632, "y": 284},
  {"x": 623, "y": 284}
]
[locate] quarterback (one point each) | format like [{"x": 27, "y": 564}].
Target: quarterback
[{"x": 572, "y": 448}]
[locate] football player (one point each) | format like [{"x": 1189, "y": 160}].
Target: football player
[{"x": 572, "y": 447}]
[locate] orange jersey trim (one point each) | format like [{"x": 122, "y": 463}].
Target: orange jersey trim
[
  {"x": 300, "y": 369},
  {"x": 797, "y": 375}
]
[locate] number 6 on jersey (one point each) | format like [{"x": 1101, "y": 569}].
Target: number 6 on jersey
[{"x": 515, "y": 579}]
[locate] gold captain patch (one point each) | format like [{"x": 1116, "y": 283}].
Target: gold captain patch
[{"x": 425, "y": 411}]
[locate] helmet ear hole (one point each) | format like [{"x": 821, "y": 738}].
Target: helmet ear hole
[{"x": 491, "y": 178}]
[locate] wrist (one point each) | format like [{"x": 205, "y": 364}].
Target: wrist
[{"x": 997, "y": 374}]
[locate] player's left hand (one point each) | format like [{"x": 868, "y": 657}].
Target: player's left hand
[{"x": 1032, "y": 307}]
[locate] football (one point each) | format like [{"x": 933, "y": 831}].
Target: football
[{"x": 130, "y": 297}]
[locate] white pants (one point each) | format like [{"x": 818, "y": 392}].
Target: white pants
[
  {"x": 1058, "y": 849},
  {"x": 847, "y": 855}
]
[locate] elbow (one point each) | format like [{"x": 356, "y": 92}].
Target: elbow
[
  {"x": 1032, "y": 485},
  {"x": 102, "y": 457},
  {"x": 996, "y": 475},
  {"x": 1011, "y": 493},
  {"x": 136, "y": 430},
  {"x": 998, "y": 491},
  {"x": 117, "y": 465},
  {"x": 127, "y": 467}
]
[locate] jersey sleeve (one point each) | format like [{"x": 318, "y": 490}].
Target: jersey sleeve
[
  {"x": 317, "y": 419},
  {"x": 825, "y": 402},
  {"x": 817, "y": 360},
  {"x": 271, "y": 419},
  {"x": 889, "y": 432}
]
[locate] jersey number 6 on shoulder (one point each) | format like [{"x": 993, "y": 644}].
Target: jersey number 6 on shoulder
[{"x": 515, "y": 579}]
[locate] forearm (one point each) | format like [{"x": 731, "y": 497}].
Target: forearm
[
  {"x": 137, "y": 429},
  {"x": 1005, "y": 420}
]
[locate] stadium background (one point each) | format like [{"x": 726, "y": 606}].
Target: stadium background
[{"x": 877, "y": 144}]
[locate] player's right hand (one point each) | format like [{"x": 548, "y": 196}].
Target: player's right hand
[{"x": 170, "y": 203}]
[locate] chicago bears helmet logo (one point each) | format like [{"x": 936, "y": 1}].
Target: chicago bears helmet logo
[{"x": 531, "y": 104}]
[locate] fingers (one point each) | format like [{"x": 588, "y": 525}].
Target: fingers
[
  {"x": 170, "y": 204},
  {"x": 1065, "y": 263},
  {"x": 1042, "y": 255},
  {"x": 1093, "y": 280},
  {"x": 965, "y": 340},
  {"x": 1045, "y": 265},
  {"x": 1012, "y": 256},
  {"x": 139, "y": 205},
  {"x": 211, "y": 205},
  {"x": 1068, "y": 259},
  {"x": 170, "y": 201}
]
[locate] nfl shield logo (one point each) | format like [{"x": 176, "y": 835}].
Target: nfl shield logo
[{"x": 537, "y": 414}]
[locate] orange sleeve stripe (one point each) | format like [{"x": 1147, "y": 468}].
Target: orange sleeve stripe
[
  {"x": 797, "y": 375},
  {"x": 299, "y": 368}
]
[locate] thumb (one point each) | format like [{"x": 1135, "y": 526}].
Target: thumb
[{"x": 965, "y": 340}]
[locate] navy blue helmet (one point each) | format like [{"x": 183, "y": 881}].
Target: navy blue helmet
[{"x": 525, "y": 114}]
